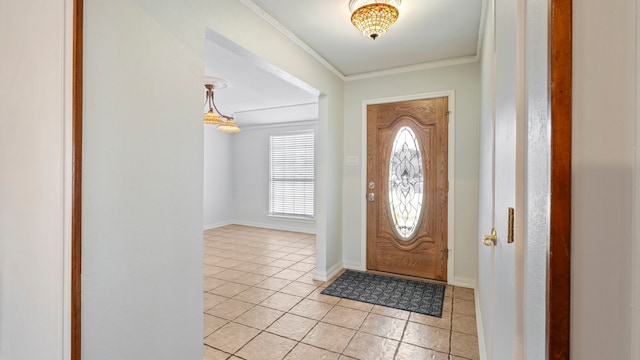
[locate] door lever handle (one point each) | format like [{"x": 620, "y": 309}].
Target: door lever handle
[{"x": 491, "y": 240}]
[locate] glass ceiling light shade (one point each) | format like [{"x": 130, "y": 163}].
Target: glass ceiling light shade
[
  {"x": 229, "y": 126},
  {"x": 211, "y": 118},
  {"x": 373, "y": 18}
]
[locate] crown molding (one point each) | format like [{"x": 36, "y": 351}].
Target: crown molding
[
  {"x": 416, "y": 67},
  {"x": 276, "y": 107},
  {"x": 309, "y": 123}
]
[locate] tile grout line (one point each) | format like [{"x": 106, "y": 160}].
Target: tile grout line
[
  {"x": 451, "y": 328},
  {"x": 406, "y": 323}
]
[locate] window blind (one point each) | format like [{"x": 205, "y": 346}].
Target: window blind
[{"x": 292, "y": 175}]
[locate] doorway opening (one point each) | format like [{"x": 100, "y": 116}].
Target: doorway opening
[{"x": 265, "y": 102}]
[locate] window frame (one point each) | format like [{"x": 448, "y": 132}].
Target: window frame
[{"x": 299, "y": 217}]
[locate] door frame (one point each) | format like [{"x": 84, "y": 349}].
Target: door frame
[
  {"x": 450, "y": 94},
  {"x": 558, "y": 310},
  {"x": 76, "y": 179}
]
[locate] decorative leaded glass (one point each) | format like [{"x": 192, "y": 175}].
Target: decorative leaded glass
[{"x": 406, "y": 182}]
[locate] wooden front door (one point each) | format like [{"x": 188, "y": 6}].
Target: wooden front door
[{"x": 407, "y": 187}]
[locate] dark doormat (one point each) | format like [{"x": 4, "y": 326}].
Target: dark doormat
[{"x": 417, "y": 296}]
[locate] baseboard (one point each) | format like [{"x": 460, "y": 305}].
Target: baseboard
[
  {"x": 479, "y": 327},
  {"x": 217, "y": 225},
  {"x": 463, "y": 282},
  {"x": 354, "y": 266},
  {"x": 274, "y": 227},
  {"x": 333, "y": 271}
]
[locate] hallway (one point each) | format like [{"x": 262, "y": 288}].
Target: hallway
[{"x": 261, "y": 303}]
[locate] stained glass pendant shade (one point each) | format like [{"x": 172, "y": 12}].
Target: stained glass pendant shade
[
  {"x": 406, "y": 182},
  {"x": 373, "y": 18}
]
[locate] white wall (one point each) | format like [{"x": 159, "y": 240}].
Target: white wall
[
  {"x": 142, "y": 181},
  {"x": 143, "y": 171},
  {"x": 251, "y": 178},
  {"x": 35, "y": 124},
  {"x": 604, "y": 101},
  {"x": 218, "y": 178},
  {"x": 465, "y": 80}
]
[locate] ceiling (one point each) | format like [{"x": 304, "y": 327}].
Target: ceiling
[
  {"x": 256, "y": 93},
  {"x": 428, "y": 33}
]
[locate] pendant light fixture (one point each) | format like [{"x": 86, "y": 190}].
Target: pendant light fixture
[
  {"x": 373, "y": 18},
  {"x": 223, "y": 122}
]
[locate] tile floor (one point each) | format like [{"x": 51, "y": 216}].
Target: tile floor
[{"x": 261, "y": 303}]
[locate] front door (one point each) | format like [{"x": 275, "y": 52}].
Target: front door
[{"x": 407, "y": 187}]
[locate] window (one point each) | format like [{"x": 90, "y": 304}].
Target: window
[{"x": 292, "y": 179}]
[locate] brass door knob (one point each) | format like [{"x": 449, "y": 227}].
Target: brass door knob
[{"x": 491, "y": 240}]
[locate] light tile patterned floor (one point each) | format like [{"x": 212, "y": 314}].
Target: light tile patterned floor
[{"x": 261, "y": 303}]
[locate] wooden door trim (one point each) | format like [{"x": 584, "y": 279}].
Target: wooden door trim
[
  {"x": 450, "y": 94},
  {"x": 559, "y": 268},
  {"x": 76, "y": 186}
]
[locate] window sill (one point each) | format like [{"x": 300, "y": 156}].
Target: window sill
[{"x": 293, "y": 218}]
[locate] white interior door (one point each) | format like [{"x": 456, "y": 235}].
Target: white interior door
[
  {"x": 497, "y": 276},
  {"x": 506, "y": 304}
]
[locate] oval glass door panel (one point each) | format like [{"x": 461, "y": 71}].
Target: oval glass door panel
[{"x": 406, "y": 182}]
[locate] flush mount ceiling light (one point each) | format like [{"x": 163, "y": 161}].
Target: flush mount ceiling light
[
  {"x": 225, "y": 123},
  {"x": 373, "y": 18}
]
